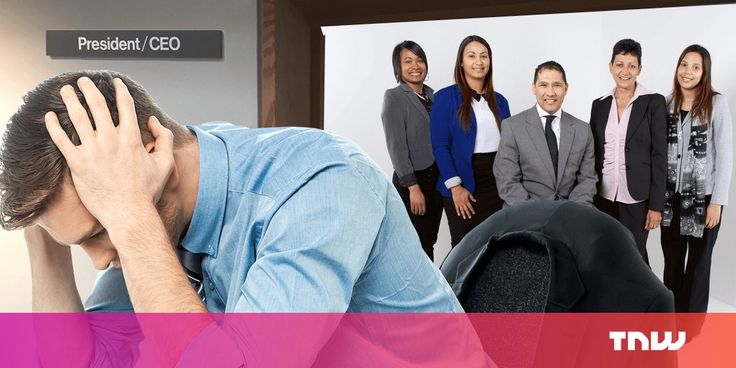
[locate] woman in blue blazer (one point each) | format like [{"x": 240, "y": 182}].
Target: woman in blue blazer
[{"x": 465, "y": 131}]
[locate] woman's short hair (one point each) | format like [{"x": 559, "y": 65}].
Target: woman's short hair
[
  {"x": 627, "y": 46},
  {"x": 396, "y": 56}
]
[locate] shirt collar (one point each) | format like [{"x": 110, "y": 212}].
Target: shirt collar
[
  {"x": 209, "y": 211},
  {"x": 477, "y": 97},
  {"x": 543, "y": 113},
  {"x": 638, "y": 91}
]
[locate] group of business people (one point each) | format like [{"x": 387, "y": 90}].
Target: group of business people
[{"x": 644, "y": 159}]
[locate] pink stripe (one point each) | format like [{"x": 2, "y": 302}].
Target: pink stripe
[{"x": 367, "y": 340}]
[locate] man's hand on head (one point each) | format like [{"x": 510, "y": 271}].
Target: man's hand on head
[
  {"x": 119, "y": 181},
  {"x": 115, "y": 175}
]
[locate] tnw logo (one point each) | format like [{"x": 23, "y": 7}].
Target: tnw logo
[{"x": 646, "y": 343}]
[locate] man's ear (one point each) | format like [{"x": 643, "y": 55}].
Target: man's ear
[
  {"x": 150, "y": 146},
  {"x": 173, "y": 180}
]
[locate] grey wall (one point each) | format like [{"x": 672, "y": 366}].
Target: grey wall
[{"x": 190, "y": 91}]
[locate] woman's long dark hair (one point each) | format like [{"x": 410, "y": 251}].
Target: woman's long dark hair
[
  {"x": 703, "y": 105},
  {"x": 465, "y": 109}
]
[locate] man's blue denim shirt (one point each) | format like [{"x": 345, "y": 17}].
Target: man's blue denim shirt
[{"x": 297, "y": 220}]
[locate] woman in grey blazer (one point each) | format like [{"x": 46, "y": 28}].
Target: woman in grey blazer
[
  {"x": 699, "y": 144},
  {"x": 405, "y": 117}
]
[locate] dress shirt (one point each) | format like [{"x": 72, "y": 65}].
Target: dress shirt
[
  {"x": 295, "y": 220},
  {"x": 307, "y": 195},
  {"x": 488, "y": 136},
  {"x": 555, "y": 122},
  {"x": 614, "y": 186}
]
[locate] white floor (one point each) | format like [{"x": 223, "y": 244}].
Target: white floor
[{"x": 715, "y": 305}]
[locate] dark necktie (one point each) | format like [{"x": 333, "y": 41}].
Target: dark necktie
[
  {"x": 192, "y": 264},
  {"x": 551, "y": 140}
]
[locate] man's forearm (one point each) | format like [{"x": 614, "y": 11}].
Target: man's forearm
[
  {"x": 52, "y": 274},
  {"x": 54, "y": 290},
  {"x": 155, "y": 279}
]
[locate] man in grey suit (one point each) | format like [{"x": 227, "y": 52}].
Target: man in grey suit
[{"x": 546, "y": 153}]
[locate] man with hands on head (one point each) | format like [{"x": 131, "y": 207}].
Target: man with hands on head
[
  {"x": 278, "y": 220},
  {"x": 546, "y": 153}
]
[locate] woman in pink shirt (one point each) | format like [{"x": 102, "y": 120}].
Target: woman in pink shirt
[{"x": 629, "y": 127}]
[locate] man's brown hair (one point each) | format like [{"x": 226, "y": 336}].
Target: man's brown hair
[{"x": 32, "y": 168}]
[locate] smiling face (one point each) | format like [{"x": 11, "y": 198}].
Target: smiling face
[
  {"x": 624, "y": 69},
  {"x": 476, "y": 61},
  {"x": 550, "y": 89},
  {"x": 69, "y": 223},
  {"x": 690, "y": 71},
  {"x": 413, "y": 68}
]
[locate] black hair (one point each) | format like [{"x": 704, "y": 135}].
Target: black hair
[
  {"x": 627, "y": 46},
  {"x": 551, "y": 65},
  {"x": 396, "y": 56},
  {"x": 702, "y": 107},
  {"x": 465, "y": 111}
]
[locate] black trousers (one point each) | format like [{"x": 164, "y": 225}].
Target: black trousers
[
  {"x": 428, "y": 224},
  {"x": 689, "y": 282},
  {"x": 486, "y": 195},
  {"x": 633, "y": 216}
]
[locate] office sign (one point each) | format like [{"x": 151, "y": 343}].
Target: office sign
[{"x": 135, "y": 44}]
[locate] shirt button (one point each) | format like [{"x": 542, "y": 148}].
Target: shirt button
[{"x": 627, "y": 167}]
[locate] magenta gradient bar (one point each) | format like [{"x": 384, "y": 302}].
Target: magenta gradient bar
[{"x": 364, "y": 340}]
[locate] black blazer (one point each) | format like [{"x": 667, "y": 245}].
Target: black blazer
[
  {"x": 594, "y": 266},
  {"x": 594, "y": 263},
  {"x": 645, "y": 148}
]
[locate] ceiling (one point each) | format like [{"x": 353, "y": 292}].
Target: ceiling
[{"x": 341, "y": 12}]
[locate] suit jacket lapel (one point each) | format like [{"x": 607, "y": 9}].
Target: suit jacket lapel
[
  {"x": 415, "y": 100},
  {"x": 567, "y": 135},
  {"x": 536, "y": 133},
  {"x": 603, "y": 113},
  {"x": 635, "y": 119},
  {"x": 429, "y": 92}
]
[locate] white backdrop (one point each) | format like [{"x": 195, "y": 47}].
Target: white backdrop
[{"x": 358, "y": 71}]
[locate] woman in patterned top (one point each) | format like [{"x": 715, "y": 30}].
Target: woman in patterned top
[{"x": 698, "y": 178}]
